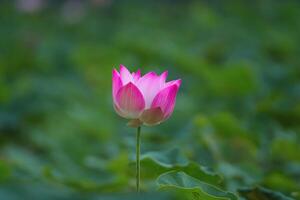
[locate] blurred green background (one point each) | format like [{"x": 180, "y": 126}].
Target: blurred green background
[{"x": 235, "y": 127}]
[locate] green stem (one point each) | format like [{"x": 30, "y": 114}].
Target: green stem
[{"x": 138, "y": 164}]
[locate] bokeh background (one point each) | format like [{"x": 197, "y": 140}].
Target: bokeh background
[{"x": 235, "y": 126}]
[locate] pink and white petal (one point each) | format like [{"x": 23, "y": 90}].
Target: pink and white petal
[
  {"x": 175, "y": 82},
  {"x": 116, "y": 83},
  {"x": 152, "y": 116},
  {"x": 149, "y": 85},
  {"x": 126, "y": 76},
  {"x": 130, "y": 101},
  {"x": 163, "y": 78},
  {"x": 136, "y": 75},
  {"x": 119, "y": 111},
  {"x": 166, "y": 100}
]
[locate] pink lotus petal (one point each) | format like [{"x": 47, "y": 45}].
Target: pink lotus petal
[
  {"x": 152, "y": 116},
  {"x": 175, "y": 82},
  {"x": 126, "y": 76},
  {"x": 136, "y": 75},
  {"x": 164, "y": 76},
  {"x": 166, "y": 100},
  {"x": 130, "y": 101},
  {"x": 119, "y": 111},
  {"x": 149, "y": 85},
  {"x": 116, "y": 83}
]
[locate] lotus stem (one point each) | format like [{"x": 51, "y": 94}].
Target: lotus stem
[{"x": 138, "y": 163}]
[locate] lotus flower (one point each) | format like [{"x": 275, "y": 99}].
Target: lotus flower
[{"x": 147, "y": 99}]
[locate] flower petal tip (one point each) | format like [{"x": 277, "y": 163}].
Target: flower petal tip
[
  {"x": 115, "y": 72},
  {"x": 164, "y": 76},
  {"x": 165, "y": 73},
  {"x": 122, "y": 66},
  {"x": 178, "y": 82}
]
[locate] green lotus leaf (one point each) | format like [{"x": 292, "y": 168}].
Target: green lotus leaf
[{"x": 191, "y": 188}]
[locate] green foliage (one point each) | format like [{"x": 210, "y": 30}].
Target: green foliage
[
  {"x": 156, "y": 163},
  {"x": 191, "y": 188},
  {"x": 262, "y": 194}
]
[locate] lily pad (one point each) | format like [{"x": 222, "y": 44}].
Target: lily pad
[
  {"x": 156, "y": 163},
  {"x": 191, "y": 188}
]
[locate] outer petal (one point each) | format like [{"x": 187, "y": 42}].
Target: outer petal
[
  {"x": 176, "y": 82},
  {"x": 119, "y": 111},
  {"x": 166, "y": 100},
  {"x": 116, "y": 83},
  {"x": 152, "y": 116},
  {"x": 130, "y": 101},
  {"x": 134, "y": 123},
  {"x": 126, "y": 76},
  {"x": 149, "y": 85}
]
